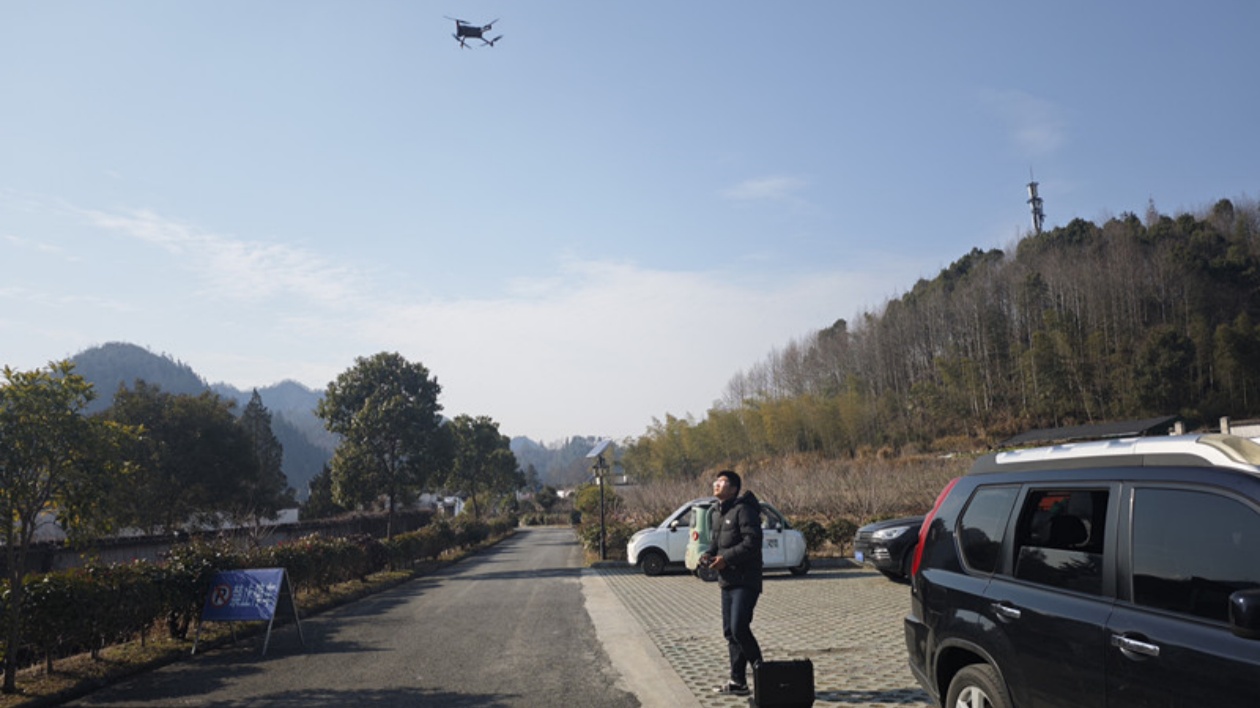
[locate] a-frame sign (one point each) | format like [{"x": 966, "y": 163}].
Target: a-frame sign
[{"x": 248, "y": 596}]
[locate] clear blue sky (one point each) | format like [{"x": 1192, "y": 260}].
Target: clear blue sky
[{"x": 598, "y": 221}]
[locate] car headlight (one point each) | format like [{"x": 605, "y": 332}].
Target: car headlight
[{"x": 890, "y": 533}]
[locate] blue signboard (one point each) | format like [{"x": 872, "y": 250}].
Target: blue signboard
[{"x": 243, "y": 595}]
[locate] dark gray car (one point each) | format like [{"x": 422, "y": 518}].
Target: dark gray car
[{"x": 888, "y": 545}]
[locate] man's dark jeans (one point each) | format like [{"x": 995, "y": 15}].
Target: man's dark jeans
[{"x": 737, "y": 615}]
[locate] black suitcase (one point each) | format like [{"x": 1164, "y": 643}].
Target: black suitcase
[{"x": 783, "y": 684}]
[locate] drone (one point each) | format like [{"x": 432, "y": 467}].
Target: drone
[{"x": 467, "y": 30}]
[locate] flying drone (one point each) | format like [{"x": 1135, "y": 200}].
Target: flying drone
[{"x": 467, "y": 30}]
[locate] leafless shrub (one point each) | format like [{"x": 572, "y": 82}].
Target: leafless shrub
[{"x": 808, "y": 487}]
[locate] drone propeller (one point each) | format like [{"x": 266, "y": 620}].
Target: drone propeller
[
  {"x": 490, "y": 24},
  {"x": 456, "y": 19},
  {"x": 492, "y": 41}
]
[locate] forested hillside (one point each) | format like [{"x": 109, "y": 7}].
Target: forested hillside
[
  {"x": 111, "y": 365},
  {"x": 1085, "y": 323},
  {"x": 307, "y": 445}
]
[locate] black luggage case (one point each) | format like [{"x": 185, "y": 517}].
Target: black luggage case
[{"x": 783, "y": 684}]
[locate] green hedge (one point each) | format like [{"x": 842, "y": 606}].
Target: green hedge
[
  {"x": 85, "y": 609},
  {"x": 616, "y": 534}
]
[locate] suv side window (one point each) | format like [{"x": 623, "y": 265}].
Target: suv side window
[
  {"x": 1059, "y": 538},
  {"x": 982, "y": 525},
  {"x": 1191, "y": 550}
]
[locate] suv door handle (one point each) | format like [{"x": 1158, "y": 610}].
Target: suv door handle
[
  {"x": 1006, "y": 611},
  {"x": 1129, "y": 645}
]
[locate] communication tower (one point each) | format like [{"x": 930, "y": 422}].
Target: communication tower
[{"x": 1034, "y": 201}]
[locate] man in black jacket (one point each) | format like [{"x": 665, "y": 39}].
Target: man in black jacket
[{"x": 735, "y": 553}]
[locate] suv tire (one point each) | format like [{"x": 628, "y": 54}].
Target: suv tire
[{"x": 977, "y": 686}]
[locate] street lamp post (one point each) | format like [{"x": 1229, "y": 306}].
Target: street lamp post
[{"x": 601, "y": 469}]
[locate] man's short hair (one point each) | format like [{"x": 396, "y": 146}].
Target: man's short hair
[{"x": 731, "y": 478}]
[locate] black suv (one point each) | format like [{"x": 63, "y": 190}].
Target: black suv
[{"x": 1117, "y": 573}]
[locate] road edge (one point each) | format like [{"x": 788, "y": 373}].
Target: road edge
[{"x": 642, "y": 669}]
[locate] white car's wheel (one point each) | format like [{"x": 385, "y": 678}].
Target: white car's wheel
[{"x": 652, "y": 562}]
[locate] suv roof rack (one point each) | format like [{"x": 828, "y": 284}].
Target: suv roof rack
[{"x": 1199, "y": 450}]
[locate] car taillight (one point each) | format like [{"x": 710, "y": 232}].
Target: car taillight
[{"x": 927, "y": 521}]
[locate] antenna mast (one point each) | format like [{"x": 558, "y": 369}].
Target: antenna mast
[{"x": 1034, "y": 201}]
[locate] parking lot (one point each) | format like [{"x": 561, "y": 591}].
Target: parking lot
[{"x": 847, "y": 620}]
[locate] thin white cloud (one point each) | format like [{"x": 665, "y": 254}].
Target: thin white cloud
[
  {"x": 589, "y": 347},
  {"x": 1036, "y": 125},
  {"x": 234, "y": 268},
  {"x": 774, "y": 188},
  {"x": 28, "y": 244},
  {"x": 45, "y": 298}
]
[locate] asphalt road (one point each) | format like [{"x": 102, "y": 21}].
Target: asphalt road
[{"x": 507, "y": 627}]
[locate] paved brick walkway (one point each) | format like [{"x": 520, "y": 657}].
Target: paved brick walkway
[{"x": 848, "y": 621}]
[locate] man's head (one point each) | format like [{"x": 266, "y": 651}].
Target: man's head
[{"x": 726, "y": 485}]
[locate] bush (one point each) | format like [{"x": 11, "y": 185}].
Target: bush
[
  {"x": 427, "y": 543},
  {"x": 587, "y": 500},
  {"x": 539, "y": 519},
  {"x": 815, "y": 533},
  {"x": 616, "y": 534},
  {"x": 840, "y": 532},
  {"x": 469, "y": 531},
  {"x": 52, "y": 617},
  {"x": 190, "y": 568},
  {"x": 86, "y": 609}
]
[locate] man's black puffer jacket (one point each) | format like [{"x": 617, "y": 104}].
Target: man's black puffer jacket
[{"x": 735, "y": 529}]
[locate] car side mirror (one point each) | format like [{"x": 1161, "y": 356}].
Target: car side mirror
[
  {"x": 1244, "y": 613},
  {"x": 673, "y": 525}
]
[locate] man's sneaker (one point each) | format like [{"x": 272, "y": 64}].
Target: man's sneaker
[{"x": 730, "y": 688}]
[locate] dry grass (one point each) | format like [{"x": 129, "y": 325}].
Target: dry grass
[{"x": 812, "y": 488}]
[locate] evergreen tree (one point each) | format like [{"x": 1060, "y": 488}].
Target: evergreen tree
[{"x": 268, "y": 491}]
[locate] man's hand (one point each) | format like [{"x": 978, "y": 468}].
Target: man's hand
[{"x": 717, "y": 563}]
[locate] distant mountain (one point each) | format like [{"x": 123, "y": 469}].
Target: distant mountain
[
  {"x": 114, "y": 364},
  {"x": 287, "y": 396},
  {"x": 562, "y": 466},
  {"x": 307, "y": 445}
]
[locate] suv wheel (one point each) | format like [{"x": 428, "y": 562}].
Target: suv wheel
[
  {"x": 653, "y": 563},
  {"x": 801, "y": 569},
  {"x": 977, "y": 686},
  {"x": 907, "y": 559}
]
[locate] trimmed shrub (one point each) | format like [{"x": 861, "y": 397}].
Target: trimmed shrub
[
  {"x": 815, "y": 533},
  {"x": 616, "y": 534},
  {"x": 840, "y": 532},
  {"x": 190, "y": 568},
  {"x": 88, "y": 608}
]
